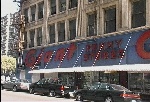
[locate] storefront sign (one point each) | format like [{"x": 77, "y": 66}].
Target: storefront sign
[
  {"x": 140, "y": 45},
  {"x": 31, "y": 59},
  {"x": 104, "y": 50}
]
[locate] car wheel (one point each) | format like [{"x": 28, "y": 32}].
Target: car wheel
[
  {"x": 108, "y": 99},
  {"x": 79, "y": 97},
  {"x": 31, "y": 91},
  {"x": 15, "y": 89},
  {"x": 52, "y": 93}
]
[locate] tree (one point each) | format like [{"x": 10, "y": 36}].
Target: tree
[{"x": 8, "y": 64}]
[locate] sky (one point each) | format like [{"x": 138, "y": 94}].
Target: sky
[{"x": 8, "y": 6}]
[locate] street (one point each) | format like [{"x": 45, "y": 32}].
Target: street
[{"x": 10, "y": 96}]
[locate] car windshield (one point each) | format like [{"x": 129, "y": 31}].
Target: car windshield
[{"x": 119, "y": 87}]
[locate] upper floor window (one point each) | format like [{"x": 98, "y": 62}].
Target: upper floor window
[
  {"x": 39, "y": 36},
  {"x": 53, "y": 7},
  {"x": 73, "y": 3},
  {"x": 26, "y": 15},
  {"x": 61, "y": 31},
  {"x": 138, "y": 13},
  {"x": 25, "y": 40},
  {"x": 91, "y": 0},
  {"x": 72, "y": 29},
  {"x": 40, "y": 10},
  {"x": 52, "y": 33},
  {"x": 110, "y": 20},
  {"x": 92, "y": 24},
  {"x": 33, "y": 9},
  {"x": 62, "y": 5},
  {"x": 32, "y": 34}
]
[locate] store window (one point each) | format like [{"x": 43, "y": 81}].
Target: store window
[
  {"x": 138, "y": 13},
  {"x": 92, "y": 24},
  {"x": 61, "y": 32},
  {"x": 26, "y": 15},
  {"x": 39, "y": 36},
  {"x": 40, "y": 10},
  {"x": 110, "y": 77},
  {"x": 52, "y": 33},
  {"x": 139, "y": 82},
  {"x": 73, "y": 3},
  {"x": 109, "y": 20},
  {"x": 62, "y": 5},
  {"x": 53, "y": 6},
  {"x": 32, "y": 34},
  {"x": 33, "y": 9},
  {"x": 72, "y": 29}
]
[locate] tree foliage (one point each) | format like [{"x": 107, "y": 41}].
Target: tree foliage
[{"x": 8, "y": 63}]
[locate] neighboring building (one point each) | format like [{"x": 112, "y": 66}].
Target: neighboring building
[
  {"x": 9, "y": 35},
  {"x": 74, "y": 34}
]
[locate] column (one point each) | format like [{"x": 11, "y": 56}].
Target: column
[
  {"x": 57, "y": 6},
  {"x": 56, "y": 33},
  {"x": 66, "y": 30},
  {"x": 35, "y": 38},
  {"x": 124, "y": 15},
  {"x": 36, "y": 13},
  {"x": 148, "y": 13}
]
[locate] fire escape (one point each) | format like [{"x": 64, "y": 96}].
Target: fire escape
[{"x": 19, "y": 24}]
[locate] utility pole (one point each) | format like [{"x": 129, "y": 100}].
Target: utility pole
[{"x": 20, "y": 23}]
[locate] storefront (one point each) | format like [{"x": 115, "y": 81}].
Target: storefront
[{"x": 75, "y": 61}]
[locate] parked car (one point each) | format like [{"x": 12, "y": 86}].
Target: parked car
[
  {"x": 105, "y": 92},
  {"x": 16, "y": 84},
  {"x": 50, "y": 87}
]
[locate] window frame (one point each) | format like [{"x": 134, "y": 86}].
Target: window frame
[
  {"x": 51, "y": 34},
  {"x": 40, "y": 10},
  {"x": 32, "y": 38},
  {"x": 33, "y": 12},
  {"x": 61, "y": 33},
  {"x": 94, "y": 24},
  {"x": 39, "y": 36},
  {"x": 112, "y": 19},
  {"x": 72, "y": 30},
  {"x": 133, "y": 21}
]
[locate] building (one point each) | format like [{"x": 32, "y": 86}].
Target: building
[
  {"x": 84, "y": 41},
  {"x": 9, "y": 35}
]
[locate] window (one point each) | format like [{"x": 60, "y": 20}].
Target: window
[
  {"x": 32, "y": 34},
  {"x": 33, "y": 9},
  {"x": 39, "y": 36},
  {"x": 53, "y": 7},
  {"x": 61, "y": 32},
  {"x": 73, "y": 3},
  {"x": 138, "y": 13},
  {"x": 52, "y": 33},
  {"x": 40, "y": 10},
  {"x": 26, "y": 15},
  {"x": 62, "y": 5},
  {"x": 110, "y": 20},
  {"x": 25, "y": 40},
  {"x": 92, "y": 24},
  {"x": 91, "y": 0},
  {"x": 72, "y": 29}
]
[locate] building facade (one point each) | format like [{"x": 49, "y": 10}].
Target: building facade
[
  {"x": 9, "y": 35},
  {"x": 61, "y": 34}
]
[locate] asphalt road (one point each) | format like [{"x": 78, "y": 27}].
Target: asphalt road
[{"x": 10, "y": 96}]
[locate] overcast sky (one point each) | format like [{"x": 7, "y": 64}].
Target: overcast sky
[{"x": 8, "y": 6}]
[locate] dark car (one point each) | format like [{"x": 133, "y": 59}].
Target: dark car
[
  {"x": 105, "y": 92},
  {"x": 50, "y": 87},
  {"x": 16, "y": 84}
]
